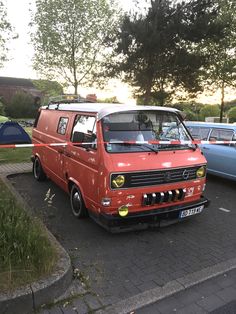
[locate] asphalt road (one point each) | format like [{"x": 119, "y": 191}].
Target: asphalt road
[{"x": 115, "y": 267}]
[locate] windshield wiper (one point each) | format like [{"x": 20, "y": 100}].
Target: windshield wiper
[
  {"x": 141, "y": 145},
  {"x": 149, "y": 147},
  {"x": 177, "y": 146}
]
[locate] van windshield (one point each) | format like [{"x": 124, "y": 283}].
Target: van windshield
[{"x": 131, "y": 131}]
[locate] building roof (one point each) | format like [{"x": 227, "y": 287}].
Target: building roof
[
  {"x": 13, "y": 81},
  {"x": 104, "y": 109}
]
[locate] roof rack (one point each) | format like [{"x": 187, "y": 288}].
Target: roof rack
[{"x": 65, "y": 99}]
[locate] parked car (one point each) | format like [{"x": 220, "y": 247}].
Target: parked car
[{"x": 221, "y": 158}]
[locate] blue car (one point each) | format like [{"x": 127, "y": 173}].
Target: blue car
[{"x": 221, "y": 158}]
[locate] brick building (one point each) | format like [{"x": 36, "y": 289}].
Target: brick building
[{"x": 9, "y": 86}]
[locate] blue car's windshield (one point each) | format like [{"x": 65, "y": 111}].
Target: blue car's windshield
[{"x": 139, "y": 127}]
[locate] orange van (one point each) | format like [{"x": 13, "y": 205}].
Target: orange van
[{"x": 122, "y": 165}]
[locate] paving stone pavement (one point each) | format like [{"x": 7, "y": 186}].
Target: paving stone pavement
[
  {"x": 15, "y": 168},
  {"x": 211, "y": 296},
  {"x": 217, "y": 295}
]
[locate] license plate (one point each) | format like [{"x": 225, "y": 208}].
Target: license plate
[{"x": 190, "y": 212}]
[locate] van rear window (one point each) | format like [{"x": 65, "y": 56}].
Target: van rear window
[
  {"x": 37, "y": 119},
  {"x": 62, "y": 125}
]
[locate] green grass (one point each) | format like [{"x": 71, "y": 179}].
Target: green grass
[
  {"x": 15, "y": 155},
  {"x": 26, "y": 254}
]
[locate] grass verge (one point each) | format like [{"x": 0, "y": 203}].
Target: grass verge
[
  {"x": 26, "y": 254},
  {"x": 15, "y": 155}
]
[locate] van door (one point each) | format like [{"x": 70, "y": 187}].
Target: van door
[
  {"x": 81, "y": 157},
  {"x": 221, "y": 158},
  {"x": 54, "y": 130}
]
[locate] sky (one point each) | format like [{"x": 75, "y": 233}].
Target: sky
[
  {"x": 21, "y": 54},
  {"x": 21, "y": 51}
]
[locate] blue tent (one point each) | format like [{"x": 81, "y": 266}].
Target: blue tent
[{"x": 12, "y": 133}]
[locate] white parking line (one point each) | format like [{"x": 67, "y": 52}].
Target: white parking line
[{"x": 224, "y": 210}]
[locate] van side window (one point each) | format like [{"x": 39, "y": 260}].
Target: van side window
[
  {"x": 61, "y": 129},
  {"x": 221, "y": 135},
  {"x": 84, "y": 130},
  {"x": 234, "y": 139}
]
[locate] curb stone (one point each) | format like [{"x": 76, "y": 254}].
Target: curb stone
[
  {"x": 29, "y": 298},
  {"x": 157, "y": 294}
]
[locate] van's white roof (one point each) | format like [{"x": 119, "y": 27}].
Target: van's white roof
[{"x": 104, "y": 109}]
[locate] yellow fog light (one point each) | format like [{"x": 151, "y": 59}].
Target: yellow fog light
[
  {"x": 118, "y": 181},
  {"x": 201, "y": 172},
  {"x": 123, "y": 211}
]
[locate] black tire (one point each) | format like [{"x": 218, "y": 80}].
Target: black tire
[
  {"x": 38, "y": 172},
  {"x": 77, "y": 203}
]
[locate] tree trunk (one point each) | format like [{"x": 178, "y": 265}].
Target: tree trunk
[
  {"x": 222, "y": 101},
  {"x": 147, "y": 96},
  {"x": 75, "y": 80},
  {"x": 76, "y": 87}
]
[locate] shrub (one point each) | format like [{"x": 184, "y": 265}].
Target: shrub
[
  {"x": 190, "y": 115},
  {"x": 21, "y": 106},
  {"x": 209, "y": 111},
  {"x": 232, "y": 115},
  {"x": 2, "y": 109}
]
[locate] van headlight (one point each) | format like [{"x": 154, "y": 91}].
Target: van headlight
[
  {"x": 117, "y": 181},
  {"x": 201, "y": 172}
]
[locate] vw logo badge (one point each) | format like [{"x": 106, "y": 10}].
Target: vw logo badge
[
  {"x": 185, "y": 174},
  {"x": 167, "y": 177}
]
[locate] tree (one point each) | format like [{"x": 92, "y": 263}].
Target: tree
[
  {"x": 221, "y": 70},
  {"x": 48, "y": 88},
  {"x": 157, "y": 49},
  {"x": 69, "y": 38},
  {"x": 6, "y": 34}
]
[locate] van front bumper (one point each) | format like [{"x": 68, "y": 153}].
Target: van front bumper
[{"x": 144, "y": 219}]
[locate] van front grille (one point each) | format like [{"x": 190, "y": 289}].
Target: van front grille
[{"x": 157, "y": 177}]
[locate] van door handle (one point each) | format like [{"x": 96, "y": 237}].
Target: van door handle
[
  {"x": 204, "y": 147},
  {"x": 60, "y": 151}
]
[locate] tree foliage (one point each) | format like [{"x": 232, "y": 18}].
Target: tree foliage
[
  {"x": 6, "y": 34},
  {"x": 68, "y": 39},
  {"x": 221, "y": 70},
  {"x": 157, "y": 50},
  {"x": 48, "y": 89}
]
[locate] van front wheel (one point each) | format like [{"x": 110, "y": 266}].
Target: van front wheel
[
  {"x": 38, "y": 172},
  {"x": 77, "y": 203}
]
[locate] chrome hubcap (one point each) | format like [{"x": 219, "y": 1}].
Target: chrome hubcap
[{"x": 76, "y": 201}]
